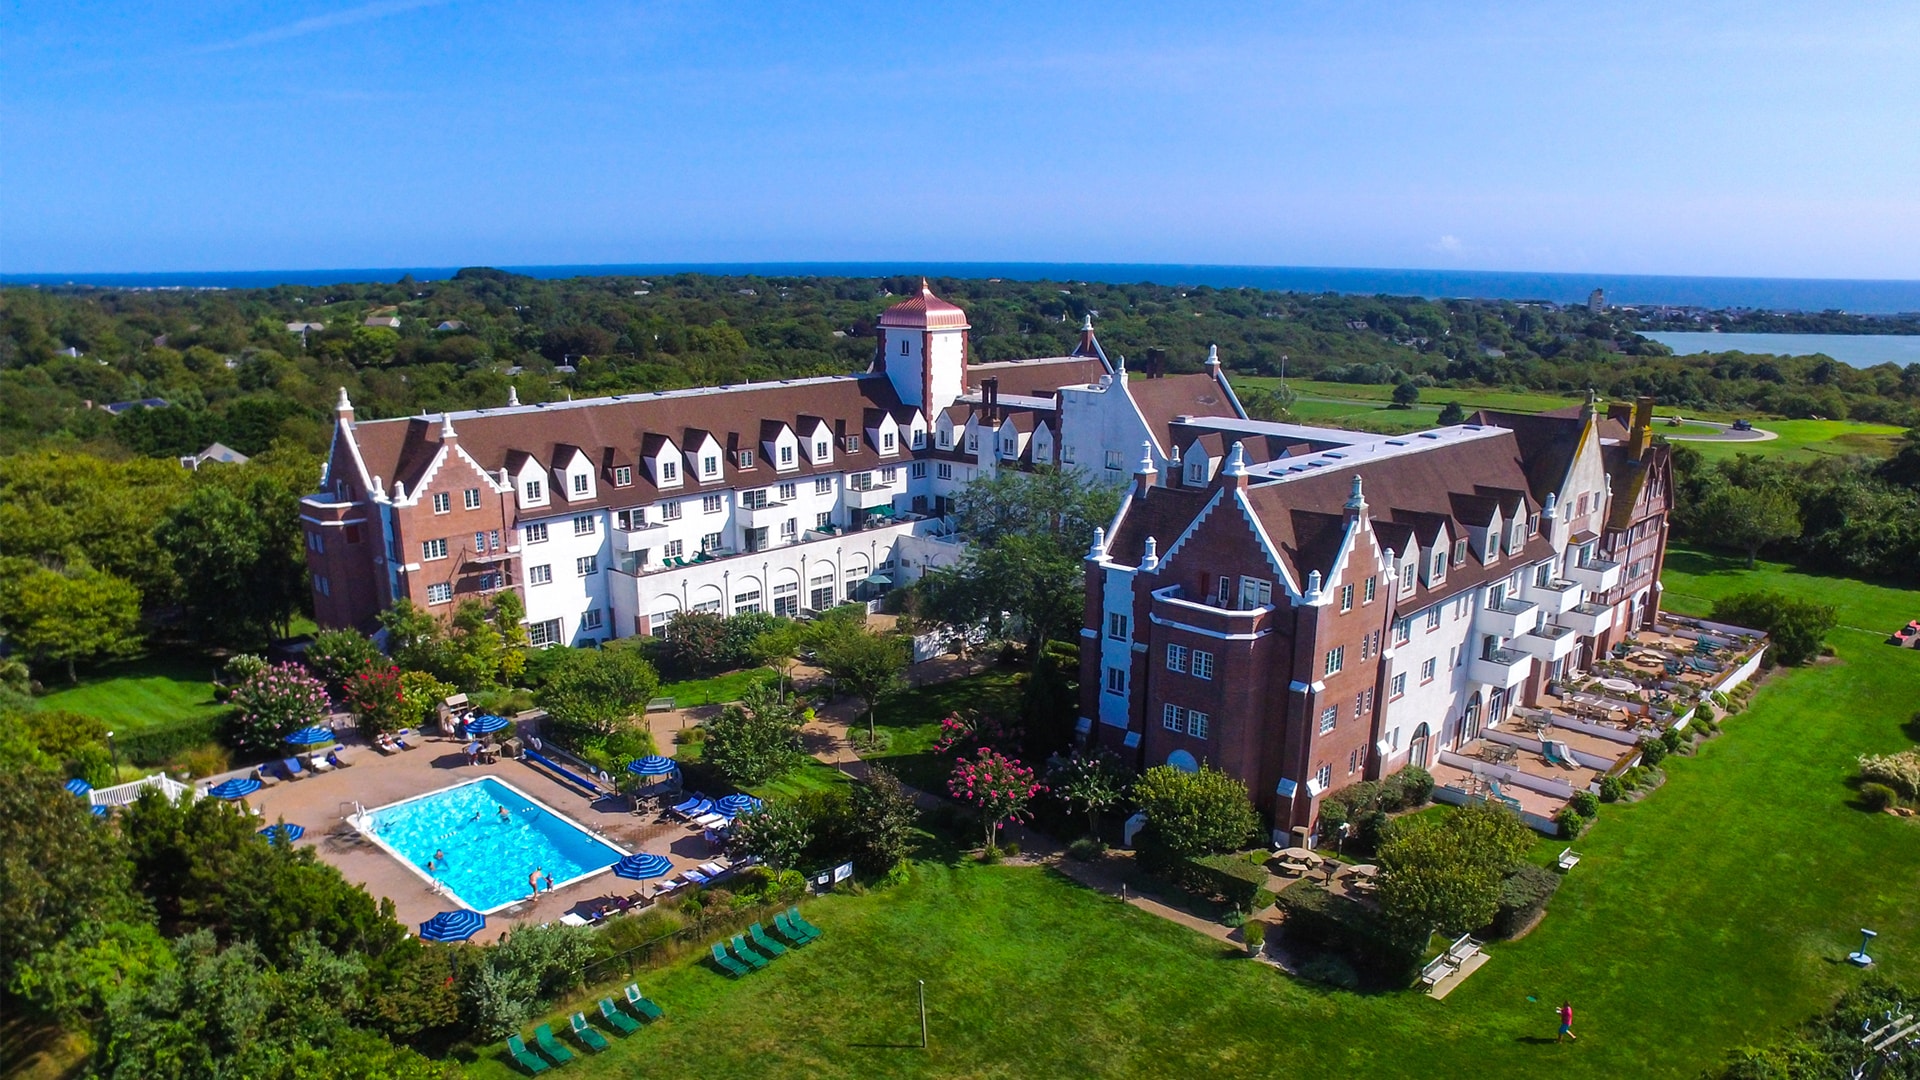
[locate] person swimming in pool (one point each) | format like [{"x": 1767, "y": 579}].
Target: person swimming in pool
[
  {"x": 504, "y": 816},
  {"x": 440, "y": 857}
]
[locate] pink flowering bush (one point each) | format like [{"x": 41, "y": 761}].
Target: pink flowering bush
[
  {"x": 961, "y": 734},
  {"x": 272, "y": 704},
  {"x": 996, "y": 784}
]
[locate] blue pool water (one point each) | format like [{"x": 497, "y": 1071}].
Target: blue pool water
[{"x": 487, "y": 857}]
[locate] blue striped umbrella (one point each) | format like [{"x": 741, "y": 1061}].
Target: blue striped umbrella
[
  {"x": 237, "y": 788},
  {"x": 653, "y": 765},
  {"x": 79, "y": 787},
  {"x": 99, "y": 810},
  {"x": 735, "y": 805},
  {"x": 311, "y": 736},
  {"x": 486, "y": 724},
  {"x": 452, "y": 926},
  {"x": 642, "y": 865},
  {"x": 290, "y": 832}
]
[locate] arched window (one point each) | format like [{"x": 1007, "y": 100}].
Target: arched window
[
  {"x": 1470, "y": 720},
  {"x": 1417, "y": 746},
  {"x": 1183, "y": 761}
]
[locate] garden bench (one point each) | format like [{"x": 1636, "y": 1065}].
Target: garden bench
[
  {"x": 660, "y": 704},
  {"x": 1568, "y": 859},
  {"x": 1462, "y": 950},
  {"x": 1437, "y": 969}
]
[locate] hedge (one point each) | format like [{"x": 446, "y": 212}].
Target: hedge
[
  {"x": 1321, "y": 920},
  {"x": 1231, "y": 877},
  {"x": 1523, "y": 895},
  {"x": 157, "y": 746}
]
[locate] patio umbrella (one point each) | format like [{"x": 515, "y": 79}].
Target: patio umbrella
[
  {"x": 652, "y": 765},
  {"x": 642, "y": 865},
  {"x": 79, "y": 787},
  {"x": 99, "y": 810},
  {"x": 237, "y": 788},
  {"x": 735, "y": 805},
  {"x": 290, "y": 832},
  {"x": 486, "y": 724},
  {"x": 311, "y": 736},
  {"x": 452, "y": 926}
]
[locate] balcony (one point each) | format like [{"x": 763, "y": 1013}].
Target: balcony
[
  {"x": 858, "y": 498},
  {"x": 1555, "y": 597},
  {"x": 1507, "y": 619},
  {"x": 1503, "y": 668},
  {"x": 766, "y": 516},
  {"x": 1588, "y": 619},
  {"x": 1547, "y": 643},
  {"x": 1598, "y": 575}
]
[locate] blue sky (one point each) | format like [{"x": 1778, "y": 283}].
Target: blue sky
[{"x": 1741, "y": 139}]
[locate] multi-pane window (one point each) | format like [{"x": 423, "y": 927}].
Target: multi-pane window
[
  {"x": 1116, "y": 680},
  {"x": 673, "y": 549},
  {"x": 479, "y": 542},
  {"x": 442, "y": 502},
  {"x": 886, "y": 441},
  {"x": 711, "y": 504},
  {"x": 1324, "y": 778},
  {"x": 622, "y": 475},
  {"x": 786, "y": 457},
  {"x": 889, "y": 474},
  {"x": 744, "y": 459},
  {"x": 1176, "y": 658},
  {"x": 1173, "y": 718},
  {"x": 536, "y": 491},
  {"x": 755, "y": 499},
  {"x": 586, "y": 565},
  {"x": 823, "y": 519},
  {"x": 315, "y": 543},
  {"x": 1255, "y": 592},
  {"x": 1113, "y": 459},
  {"x": 746, "y": 601},
  {"x": 1328, "y": 718},
  {"x": 629, "y": 520},
  {"x": 471, "y": 498},
  {"x": 852, "y": 444},
  {"x": 789, "y": 529},
  {"x": 821, "y": 450},
  {"x": 440, "y": 592},
  {"x": 1117, "y": 627},
  {"x": 321, "y": 585},
  {"x": 1353, "y": 762},
  {"x": 540, "y": 575},
  {"x": 591, "y": 620},
  {"x": 823, "y": 485},
  {"x": 1403, "y": 630},
  {"x": 710, "y": 465},
  {"x": 433, "y": 549},
  {"x": 1397, "y": 686},
  {"x": 1427, "y": 668},
  {"x": 580, "y": 483},
  {"x": 535, "y": 533},
  {"x": 1406, "y": 579},
  {"x": 543, "y": 633},
  {"x": 1460, "y": 552},
  {"x": 1346, "y": 598},
  {"x": 670, "y": 511},
  {"x": 669, "y": 472},
  {"x": 1336, "y": 659},
  {"x": 1433, "y": 617},
  {"x": 710, "y": 542},
  {"x": 1367, "y": 597},
  {"x": 1202, "y": 664},
  {"x": 585, "y": 525},
  {"x": 1196, "y": 723},
  {"x": 1362, "y": 703},
  {"x": 788, "y": 492},
  {"x": 945, "y": 471},
  {"x": 917, "y": 471}
]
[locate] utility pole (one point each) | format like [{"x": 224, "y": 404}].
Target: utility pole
[{"x": 923, "y": 1013}]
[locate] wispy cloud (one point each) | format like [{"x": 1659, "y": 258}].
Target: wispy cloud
[{"x": 317, "y": 23}]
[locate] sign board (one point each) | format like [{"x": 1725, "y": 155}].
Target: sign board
[{"x": 842, "y": 872}]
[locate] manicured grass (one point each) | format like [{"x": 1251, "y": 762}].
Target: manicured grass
[
  {"x": 1694, "y": 579},
  {"x": 141, "y": 694},
  {"x": 715, "y": 689},
  {"x": 812, "y": 776},
  {"x": 1713, "y": 914},
  {"x": 1805, "y": 440},
  {"x": 912, "y": 722},
  {"x": 1470, "y": 398}
]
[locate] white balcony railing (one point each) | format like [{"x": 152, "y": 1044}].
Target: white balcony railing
[
  {"x": 1547, "y": 643},
  {"x": 1597, "y": 575},
  {"x": 1588, "y": 619},
  {"x": 1504, "y": 668},
  {"x": 1555, "y": 596},
  {"x": 1507, "y": 619}
]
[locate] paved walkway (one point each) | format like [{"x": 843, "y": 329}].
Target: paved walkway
[{"x": 1723, "y": 433}]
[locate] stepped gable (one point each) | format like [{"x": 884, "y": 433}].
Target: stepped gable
[
  {"x": 630, "y": 427},
  {"x": 1163, "y": 515}
]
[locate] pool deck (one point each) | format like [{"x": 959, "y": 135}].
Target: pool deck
[{"x": 321, "y": 804}]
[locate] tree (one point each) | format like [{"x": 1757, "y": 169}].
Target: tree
[
  {"x": 67, "y": 618},
  {"x": 1748, "y": 519},
  {"x": 1263, "y": 403},
  {"x": 1000, "y": 787},
  {"x": 376, "y": 698},
  {"x": 1446, "y": 875},
  {"x": 600, "y": 690},
  {"x": 273, "y": 704},
  {"x": 240, "y": 585},
  {"x": 60, "y": 873},
  {"x": 778, "y": 833},
  {"x": 1405, "y": 394},
  {"x": 1087, "y": 783},
  {"x": 1194, "y": 813},
  {"x": 1796, "y": 629},
  {"x": 755, "y": 740},
  {"x": 338, "y": 655},
  {"x": 779, "y": 648},
  {"x": 884, "y": 820},
  {"x": 867, "y": 665},
  {"x": 473, "y": 652},
  {"x": 695, "y": 641},
  {"x": 413, "y": 635},
  {"x": 421, "y": 696},
  {"x": 1451, "y": 413}
]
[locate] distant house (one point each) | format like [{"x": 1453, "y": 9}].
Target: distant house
[
  {"x": 72, "y": 351},
  {"x": 119, "y": 407},
  {"x": 451, "y": 326},
  {"x": 305, "y": 327},
  {"x": 565, "y": 369},
  {"x": 220, "y": 452},
  {"x": 391, "y": 322}
]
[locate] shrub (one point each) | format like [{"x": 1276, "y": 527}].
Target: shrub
[
  {"x": 157, "y": 746},
  {"x": 1652, "y": 751},
  {"x": 1523, "y": 895},
  {"x": 1011, "y": 848},
  {"x": 990, "y": 855},
  {"x": 1795, "y": 629},
  {"x": 243, "y": 666},
  {"x": 1086, "y": 849},
  {"x": 1572, "y": 823},
  {"x": 1416, "y": 785},
  {"x": 1255, "y": 934},
  {"x": 1878, "y": 796},
  {"x": 207, "y": 759},
  {"x": 1673, "y": 738},
  {"x": 1900, "y": 771},
  {"x": 272, "y": 704},
  {"x": 1585, "y": 803},
  {"x": 1611, "y": 789},
  {"x": 1195, "y": 813},
  {"x": 338, "y": 655},
  {"x": 1351, "y": 931},
  {"x": 1704, "y": 714}
]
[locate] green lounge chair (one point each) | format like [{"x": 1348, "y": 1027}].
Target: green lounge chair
[
  {"x": 550, "y": 1046},
  {"x": 728, "y": 964},
  {"x": 745, "y": 952},
  {"x": 619, "y": 1021},
  {"x": 588, "y": 1037},
  {"x": 792, "y": 933},
  {"x": 638, "y": 1004},
  {"x": 765, "y": 943},
  {"x": 523, "y": 1057},
  {"x": 800, "y": 923}
]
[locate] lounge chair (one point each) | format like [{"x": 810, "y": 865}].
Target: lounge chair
[
  {"x": 525, "y": 1058},
  {"x": 550, "y": 1046},
  {"x": 801, "y": 924},
  {"x": 588, "y": 1037},
  {"x": 619, "y": 1021},
  {"x": 293, "y": 768},
  {"x": 765, "y": 943},
  {"x": 712, "y": 869},
  {"x": 266, "y": 778},
  {"x": 1493, "y": 787},
  {"x": 793, "y": 934},
  {"x": 695, "y": 877},
  {"x": 638, "y": 1003},
  {"x": 745, "y": 952},
  {"x": 315, "y": 763},
  {"x": 728, "y": 964}
]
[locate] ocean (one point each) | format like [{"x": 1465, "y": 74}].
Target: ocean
[
  {"x": 1859, "y": 350},
  {"x": 1778, "y": 294}
]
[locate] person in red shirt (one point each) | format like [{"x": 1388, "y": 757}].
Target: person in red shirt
[{"x": 1566, "y": 1021}]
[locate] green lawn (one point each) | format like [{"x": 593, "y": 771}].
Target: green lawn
[
  {"x": 812, "y": 776},
  {"x": 912, "y": 722},
  {"x": 1808, "y": 439},
  {"x": 1470, "y": 398},
  {"x": 1714, "y": 913},
  {"x": 1694, "y": 579},
  {"x": 715, "y": 689},
  {"x": 141, "y": 694}
]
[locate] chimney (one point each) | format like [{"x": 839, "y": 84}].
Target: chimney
[
  {"x": 1356, "y": 502},
  {"x": 343, "y": 409},
  {"x": 990, "y": 398},
  {"x": 513, "y": 396},
  {"x": 1156, "y": 363},
  {"x": 1620, "y": 411},
  {"x": 1144, "y": 472},
  {"x": 446, "y": 428},
  {"x": 1235, "y": 469},
  {"x": 1087, "y": 347},
  {"x": 1641, "y": 439}
]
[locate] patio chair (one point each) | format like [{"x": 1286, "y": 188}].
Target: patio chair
[
  {"x": 733, "y": 968},
  {"x": 1493, "y": 788},
  {"x": 745, "y": 952},
  {"x": 525, "y": 1058},
  {"x": 550, "y": 1046},
  {"x": 637, "y": 1002},
  {"x": 787, "y": 930},
  {"x": 619, "y": 1021},
  {"x": 793, "y": 915},
  {"x": 293, "y": 768},
  {"x": 315, "y": 764},
  {"x": 266, "y": 778},
  {"x": 588, "y": 1037},
  {"x": 763, "y": 942}
]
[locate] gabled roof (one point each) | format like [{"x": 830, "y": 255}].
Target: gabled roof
[
  {"x": 1040, "y": 377},
  {"x": 1160, "y": 401}
]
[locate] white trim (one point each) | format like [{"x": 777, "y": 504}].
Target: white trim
[
  {"x": 1191, "y": 629},
  {"x": 1267, "y": 546},
  {"x": 1192, "y": 527}
]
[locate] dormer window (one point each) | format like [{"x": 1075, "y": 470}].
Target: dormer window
[
  {"x": 1406, "y": 579},
  {"x": 1439, "y": 571},
  {"x": 622, "y": 475},
  {"x": 946, "y": 439},
  {"x": 1009, "y": 447},
  {"x": 973, "y": 443},
  {"x": 852, "y": 444},
  {"x": 744, "y": 459},
  {"x": 536, "y": 491},
  {"x": 786, "y": 456},
  {"x": 1197, "y": 471},
  {"x": 710, "y": 465},
  {"x": 1460, "y": 552},
  {"x": 1533, "y": 525},
  {"x": 903, "y": 346},
  {"x": 820, "y": 450},
  {"x": 919, "y": 440},
  {"x": 669, "y": 472},
  {"x": 886, "y": 441},
  {"x": 579, "y": 483}
]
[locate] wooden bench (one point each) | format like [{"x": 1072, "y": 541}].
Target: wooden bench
[
  {"x": 1437, "y": 969},
  {"x": 1568, "y": 859},
  {"x": 660, "y": 704},
  {"x": 1461, "y": 951}
]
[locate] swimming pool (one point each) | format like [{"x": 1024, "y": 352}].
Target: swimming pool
[{"x": 483, "y": 838}]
